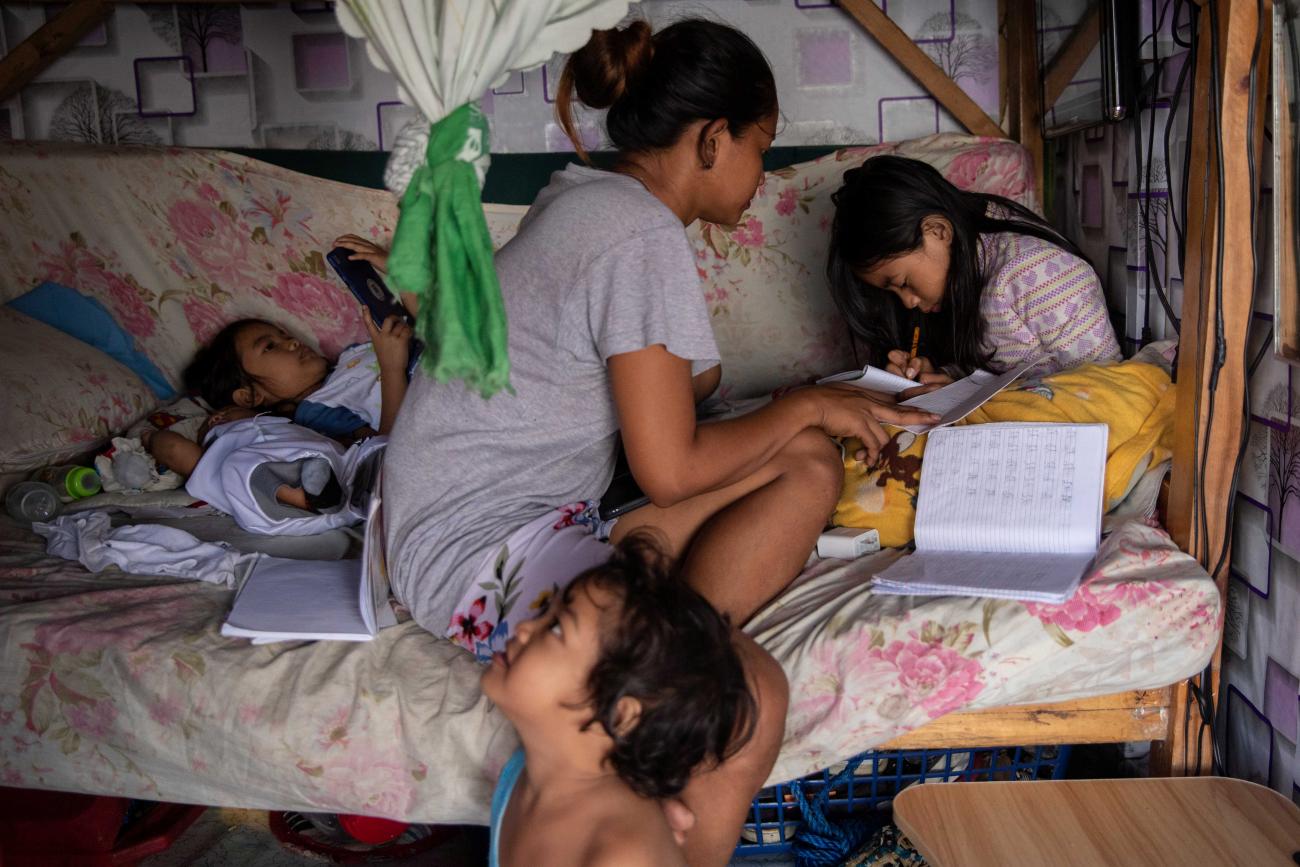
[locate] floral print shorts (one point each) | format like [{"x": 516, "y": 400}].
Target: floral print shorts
[{"x": 516, "y": 582}]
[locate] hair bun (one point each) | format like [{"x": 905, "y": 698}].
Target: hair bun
[{"x": 610, "y": 62}]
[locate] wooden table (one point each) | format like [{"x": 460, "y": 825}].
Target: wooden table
[{"x": 1174, "y": 821}]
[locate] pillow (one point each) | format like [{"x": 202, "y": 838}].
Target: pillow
[
  {"x": 1135, "y": 399},
  {"x": 86, "y": 319},
  {"x": 62, "y": 398}
]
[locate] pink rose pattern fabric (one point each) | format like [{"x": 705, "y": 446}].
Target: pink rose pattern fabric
[
  {"x": 865, "y": 669},
  {"x": 123, "y": 685},
  {"x": 178, "y": 242}
]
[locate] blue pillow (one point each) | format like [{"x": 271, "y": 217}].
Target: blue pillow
[{"x": 86, "y": 319}]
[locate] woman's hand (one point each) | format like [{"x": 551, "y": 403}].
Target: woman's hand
[
  {"x": 902, "y": 364},
  {"x": 848, "y": 411},
  {"x": 365, "y": 251},
  {"x": 392, "y": 343}
]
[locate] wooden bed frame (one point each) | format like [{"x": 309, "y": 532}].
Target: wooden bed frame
[
  {"x": 1205, "y": 433},
  {"x": 1208, "y": 434}
]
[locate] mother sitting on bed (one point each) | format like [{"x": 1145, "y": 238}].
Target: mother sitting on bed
[{"x": 490, "y": 504}]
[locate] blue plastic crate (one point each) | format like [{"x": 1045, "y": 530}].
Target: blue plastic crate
[{"x": 775, "y": 815}]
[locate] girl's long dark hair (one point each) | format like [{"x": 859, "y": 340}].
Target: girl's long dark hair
[
  {"x": 216, "y": 373},
  {"x": 878, "y": 215}
]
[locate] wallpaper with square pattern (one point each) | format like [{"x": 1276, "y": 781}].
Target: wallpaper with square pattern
[
  {"x": 284, "y": 76},
  {"x": 1119, "y": 194}
]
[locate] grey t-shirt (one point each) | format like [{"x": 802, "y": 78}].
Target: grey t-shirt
[{"x": 599, "y": 267}]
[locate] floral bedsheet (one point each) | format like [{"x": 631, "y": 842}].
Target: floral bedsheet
[
  {"x": 122, "y": 684},
  {"x": 176, "y": 242}
]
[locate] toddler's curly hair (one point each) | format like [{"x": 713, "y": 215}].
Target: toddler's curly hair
[{"x": 669, "y": 649}]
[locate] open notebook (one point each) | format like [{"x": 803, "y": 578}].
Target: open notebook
[
  {"x": 1005, "y": 510},
  {"x": 952, "y": 403},
  {"x": 307, "y": 600}
]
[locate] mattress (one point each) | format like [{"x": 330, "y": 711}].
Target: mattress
[{"x": 122, "y": 684}]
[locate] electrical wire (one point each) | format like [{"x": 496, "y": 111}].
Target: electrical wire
[
  {"x": 1175, "y": 100},
  {"x": 1198, "y": 688}
]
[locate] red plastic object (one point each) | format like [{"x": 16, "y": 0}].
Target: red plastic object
[
  {"x": 372, "y": 829},
  {"x": 343, "y": 855},
  {"x": 62, "y": 829}
]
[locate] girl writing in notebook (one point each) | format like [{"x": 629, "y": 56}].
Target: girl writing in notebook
[{"x": 988, "y": 282}]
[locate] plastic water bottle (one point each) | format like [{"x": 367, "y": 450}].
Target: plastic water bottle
[
  {"x": 71, "y": 481},
  {"x": 30, "y": 502}
]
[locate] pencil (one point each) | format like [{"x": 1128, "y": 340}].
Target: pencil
[{"x": 916, "y": 342}]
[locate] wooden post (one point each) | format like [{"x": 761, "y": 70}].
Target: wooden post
[
  {"x": 45, "y": 46},
  {"x": 1217, "y": 296},
  {"x": 1022, "y": 92},
  {"x": 919, "y": 65}
]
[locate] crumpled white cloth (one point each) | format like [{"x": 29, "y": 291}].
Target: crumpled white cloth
[
  {"x": 128, "y": 467},
  {"x": 143, "y": 549}
]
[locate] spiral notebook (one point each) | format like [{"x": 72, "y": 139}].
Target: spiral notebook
[{"x": 1008, "y": 510}]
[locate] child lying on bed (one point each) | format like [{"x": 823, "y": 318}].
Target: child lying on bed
[
  {"x": 626, "y": 684},
  {"x": 253, "y": 365}
]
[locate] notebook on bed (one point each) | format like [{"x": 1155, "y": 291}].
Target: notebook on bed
[
  {"x": 1007, "y": 510},
  {"x": 952, "y": 403},
  {"x": 309, "y": 600}
]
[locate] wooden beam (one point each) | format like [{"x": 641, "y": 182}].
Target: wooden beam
[
  {"x": 1062, "y": 68},
  {"x": 1126, "y": 716},
  {"x": 919, "y": 65},
  {"x": 1218, "y": 296},
  {"x": 48, "y": 43}
]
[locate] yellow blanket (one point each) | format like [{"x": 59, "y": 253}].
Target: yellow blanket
[{"x": 1134, "y": 398}]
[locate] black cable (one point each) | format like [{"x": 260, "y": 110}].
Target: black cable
[
  {"x": 1193, "y": 58},
  {"x": 1219, "y": 357},
  {"x": 1254, "y": 362},
  {"x": 1173, "y": 29},
  {"x": 1145, "y": 204},
  {"x": 1152, "y": 86},
  {"x": 1175, "y": 100}
]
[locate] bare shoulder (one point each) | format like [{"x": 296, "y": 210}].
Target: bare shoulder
[
  {"x": 634, "y": 834},
  {"x": 640, "y": 850}
]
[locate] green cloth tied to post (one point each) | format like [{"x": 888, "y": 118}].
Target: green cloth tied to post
[{"x": 442, "y": 253}]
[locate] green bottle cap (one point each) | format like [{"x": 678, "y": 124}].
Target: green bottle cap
[{"x": 82, "y": 482}]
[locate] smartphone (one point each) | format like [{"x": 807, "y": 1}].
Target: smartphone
[
  {"x": 623, "y": 494},
  {"x": 364, "y": 282}
]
